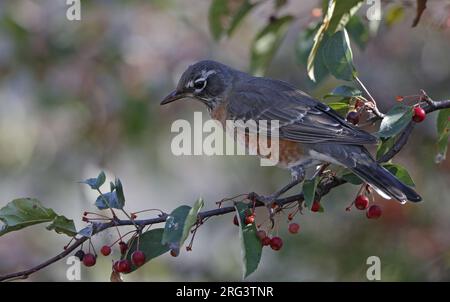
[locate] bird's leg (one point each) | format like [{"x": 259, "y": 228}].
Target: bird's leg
[{"x": 298, "y": 175}]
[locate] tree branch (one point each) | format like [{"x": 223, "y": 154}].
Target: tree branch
[{"x": 324, "y": 187}]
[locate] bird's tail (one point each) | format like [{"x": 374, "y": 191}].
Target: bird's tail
[{"x": 360, "y": 162}]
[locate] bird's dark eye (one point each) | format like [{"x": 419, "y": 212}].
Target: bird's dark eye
[{"x": 199, "y": 84}]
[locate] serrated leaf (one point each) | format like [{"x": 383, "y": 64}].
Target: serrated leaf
[
  {"x": 344, "y": 91},
  {"x": 337, "y": 14},
  {"x": 108, "y": 200},
  {"x": 174, "y": 227},
  {"x": 340, "y": 107},
  {"x": 342, "y": 12},
  {"x": 337, "y": 56},
  {"x": 358, "y": 31},
  {"x": 309, "y": 191},
  {"x": 315, "y": 56},
  {"x": 96, "y": 183},
  {"x": 395, "y": 121},
  {"x": 150, "y": 243},
  {"x": 400, "y": 172},
  {"x": 251, "y": 247},
  {"x": 63, "y": 225},
  {"x": 24, "y": 212},
  {"x": 266, "y": 43},
  {"x": 443, "y": 130}
]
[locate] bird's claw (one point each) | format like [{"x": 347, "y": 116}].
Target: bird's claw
[{"x": 270, "y": 202}]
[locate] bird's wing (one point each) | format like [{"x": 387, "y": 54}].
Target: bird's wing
[{"x": 301, "y": 118}]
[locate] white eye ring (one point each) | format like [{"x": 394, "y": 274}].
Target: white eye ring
[{"x": 202, "y": 85}]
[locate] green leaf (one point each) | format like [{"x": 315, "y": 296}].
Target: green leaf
[
  {"x": 304, "y": 43},
  {"x": 266, "y": 43},
  {"x": 24, "y": 212},
  {"x": 384, "y": 146},
  {"x": 119, "y": 193},
  {"x": 109, "y": 200},
  {"x": 315, "y": 60},
  {"x": 350, "y": 177},
  {"x": 344, "y": 91},
  {"x": 96, "y": 183},
  {"x": 342, "y": 13},
  {"x": 251, "y": 247},
  {"x": 337, "y": 15},
  {"x": 225, "y": 16},
  {"x": 395, "y": 121},
  {"x": 358, "y": 31},
  {"x": 178, "y": 224},
  {"x": 218, "y": 10},
  {"x": 309, "y": 191},
  {"x": 150, "y": 244},
  {"x": 63, "y": 225},
  {"x": 338, "y": 57},
  {"x": 443, "y": 129},
  {"x": 237, "y": 18},
  {"x": 340, "y": 107},
  {"x": 395, "y": 14},
  {"x": 191, "y": 219},
  {"x": 400, "y": 172}
]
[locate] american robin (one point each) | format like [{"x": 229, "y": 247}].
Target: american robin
[{"x": 310, "y": 133}]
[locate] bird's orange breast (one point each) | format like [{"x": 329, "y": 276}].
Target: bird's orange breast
[{"x": 289, "y": 152}]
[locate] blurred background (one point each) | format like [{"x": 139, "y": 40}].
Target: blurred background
[{"x": 77, "y": 97}]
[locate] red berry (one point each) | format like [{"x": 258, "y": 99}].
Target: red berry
[
  {"x": 123, "y": 247},
  {"x": 250, "y": 219},
  {"x": 124, "y": 266},
  {"x": 353, "y": 117},
  {"x": 361, "y": 202},
  {"x": 399, "y": 98},
  {"x": 133, "y": 216},
  {"x": 89, "y": 259},
  {"x": 419, "y": 114},
  {"x": 265, "y": 241},
  {"x": 276, "y": 243},
  {"x": 315, "y": 206},
  {"x": 138, "y": 258},
  {"x": 235, "y": 220},
  {"x": 105, "y": 250},
  {"x": 294, "y": 228},
  {"x": 261, "y": 234},
  {"x": 374, "y": 212}
]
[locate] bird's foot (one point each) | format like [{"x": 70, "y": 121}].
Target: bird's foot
[{"x": 271, "y": 204}]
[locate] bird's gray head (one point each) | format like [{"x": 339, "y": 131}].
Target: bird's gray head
[{"x": 205, "y": 81}]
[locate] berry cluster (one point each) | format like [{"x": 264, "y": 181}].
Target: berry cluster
[{"x": 362, "y": 203}]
